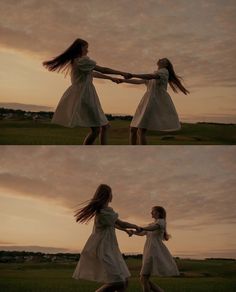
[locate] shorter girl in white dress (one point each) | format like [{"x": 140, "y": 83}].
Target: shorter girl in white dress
[
  {"x": 157, "y": 259},
  {"x": 156, "y": 111},
  {"x": 101, "y": 259},
  {"x": 80, "y": 105}
]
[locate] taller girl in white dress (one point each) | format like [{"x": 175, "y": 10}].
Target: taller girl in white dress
[
  {"x": 156, "y": 110},
  {"x": 101, "y": 259},
  {"x": 80, "y": 105},
  {"x": 157, "y": 259}
]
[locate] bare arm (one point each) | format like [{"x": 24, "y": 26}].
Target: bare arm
[
  {"x": 124, "y": 224},
  {"x": 121, "y": 228},
  {"x": 132, "y": 81},
  {"x": 106, "y": 70},
  {"x": 141, "y": 233},
  {"x": 102, "y": 76},
  {"x": 146, "y": 76},
  {"x": 152, "y": 227}
]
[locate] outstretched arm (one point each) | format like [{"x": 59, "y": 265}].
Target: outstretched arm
[
  {"x": 106, "y": 70},
  {"x": 152, "y": 227},
  {"x": 132, "y": 81},
  {"x": 103, "y": 76},
  {"x": 124, "y": 224},
  {"x": 124, "y": 229},
  {"x": 146, "y": 76},
  {"x": 141, "y": 233}
]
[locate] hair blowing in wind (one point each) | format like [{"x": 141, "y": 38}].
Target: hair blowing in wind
[
  {"x": 63, "y": 61},
  {"x": 174, "y": 79},
  {"x": 100, "y": 199}
]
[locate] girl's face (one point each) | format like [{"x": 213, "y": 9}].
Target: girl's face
[
  {"x": 155, "y": 213},
  {"x": 84, "y": 50}
]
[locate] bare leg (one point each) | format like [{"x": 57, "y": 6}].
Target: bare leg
[
  {"x": 155, "y": 287},
  {"x": 103, "y": 134},
  {"x": 133, "y": 137},
  {"x": 92, "y": 135},
  {"x": 145, "y": 283},
  {"x": 112, "y": 287},
  {"x": 142, "y": 136}
]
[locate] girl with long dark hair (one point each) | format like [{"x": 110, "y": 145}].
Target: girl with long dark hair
[
  {"x": 101, "y": 259},
  {"x": 80, "y": 105},
  {"x": 156, "y": 110},
  {"x": 157, "y": 259}
]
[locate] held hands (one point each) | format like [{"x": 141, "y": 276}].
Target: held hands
[
  {"x": 127, "y": 75},
  {"x": 138, "y": 228},
  {"x": 116, "y": 80},
  {"x": 130, "y": 232}
]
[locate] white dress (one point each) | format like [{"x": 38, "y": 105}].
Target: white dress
[
  {"x": 157, "y": 259},
  {"x": 156, "y": 111},
  {"x": 101, "y": 259},
  {"x": 80, "y": 105}
]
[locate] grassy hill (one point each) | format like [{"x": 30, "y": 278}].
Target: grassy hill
[
  {"x": 196, "y": 275},
  {"x": 28, "y": 132}
]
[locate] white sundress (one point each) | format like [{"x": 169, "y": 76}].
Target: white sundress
[
  {"x": 156, "y": 110},
  {"x": 157, "y": 259},
  {"x": 101, "y": 259},
  {"x": 80, "y": 105}
]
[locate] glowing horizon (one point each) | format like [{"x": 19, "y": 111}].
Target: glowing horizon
[
  {"x": 39, "y": 193},
  {"x": 202, "y": 54}
]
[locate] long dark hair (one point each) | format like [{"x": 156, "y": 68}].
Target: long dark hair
[
  {"x": 174, "y": 79},
  {"x": 100, "y": 198},
  {"x": 63, "y": 61},
  {"x": 162, "y": 215}
]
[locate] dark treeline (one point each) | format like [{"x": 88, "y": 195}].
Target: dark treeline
[
  {"x": 22, "y": 114},
  {"x": 28, "y": 256}
]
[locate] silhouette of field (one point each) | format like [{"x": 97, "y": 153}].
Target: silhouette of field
[
  {"x": 196, "y": 275},
  {"x": 30, "y": 132}
]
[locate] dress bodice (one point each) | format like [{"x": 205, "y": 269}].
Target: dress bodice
[
  {"x": 82, "y": 69},
  {"x": 159, "y": 232},
  {"x": 161, "y": 82},
  {"x": 106, "y": 218}
]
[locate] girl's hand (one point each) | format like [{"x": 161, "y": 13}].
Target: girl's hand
[
  {"x": 130, "y": 232},
  {"x": 139, "y": 229},
  {"x": 116, "y": 80},
  {"x": 127, "y": 75}
]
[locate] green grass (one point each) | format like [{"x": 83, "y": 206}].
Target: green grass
[
  {"x": 196, "y": 276},
  {"x": 38, "y": 133}
]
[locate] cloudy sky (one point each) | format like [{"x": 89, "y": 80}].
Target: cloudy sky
[
  {"x": 40, "y": 191},
  {"x": 198, "y": 36}
]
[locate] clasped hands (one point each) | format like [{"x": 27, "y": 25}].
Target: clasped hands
[
  {"x": 120, "y": 80},
  {"x": 131, "y": 232}
]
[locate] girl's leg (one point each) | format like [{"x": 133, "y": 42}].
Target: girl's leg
[
  {"x": 103, "y": 134},
  {"x": 155, "y": 287},
  {"x": 145, "y": 283},
  {"x": 142, "y": 136},
  {"x": 112, "y": 287},
  {"x": 133, "y": 137},
  {"x": 91, "y": 137}
]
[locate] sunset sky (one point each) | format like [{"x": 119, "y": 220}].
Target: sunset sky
[
  {"x": 196, "y": 185},
  {"x": 197, "y": 36}
]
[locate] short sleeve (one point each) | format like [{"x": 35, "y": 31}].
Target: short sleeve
[
  {"x": 85, "y": 64},
  {"x": 161, "y": 223},
  {"x": 163, "y": 73},
  {"x": 107, "y": 217}
]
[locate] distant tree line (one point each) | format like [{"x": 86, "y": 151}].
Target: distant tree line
[
  {"x": 22, "y": 114},
  {"x": 28, "y": 256}
]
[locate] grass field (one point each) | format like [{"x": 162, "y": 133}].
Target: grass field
[
  {"x": 196, "y": 276},
  {"x": 38, "y": 133}
]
